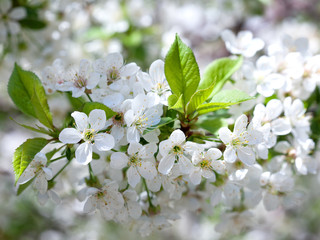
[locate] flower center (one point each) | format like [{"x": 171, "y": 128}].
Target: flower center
[
  {"x": 113, "y": 74},
  {"x": 205, "y": 164},
  {"x": 79, "y": 82},
  {"x": 134, "y": 160},
  {"x": 118, "y": 119},
  {"x": 89, "y": 135},
  {"x": 177, "y": 149}
]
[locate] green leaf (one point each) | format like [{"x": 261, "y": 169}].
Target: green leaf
[
  {"x": 89, "y": 106},
  {"x": 25, "y": 153},
  {"x": 178, "y": 105},
  {"x": 32, "y": 23},
  {"x": 77, "y": 103},
  {"x": 218, "y": 72},
  {"x": 24, "y": 186},
  {"x": 163, "y": 121},
  {"x": 181, "y": 70},
  {"x": 210, "y": 107},
  {"x": 212, "y": 124},
  {"x": 230, "y": 97},
  {"x": 39, "y": 129},
  {"x": 213, "y": 79},
  {"x": 26, "y": 91},
  {"x": 198, "y": 98}
]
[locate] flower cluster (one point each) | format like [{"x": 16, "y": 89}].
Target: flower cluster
[{"x": 149, "y": 157}]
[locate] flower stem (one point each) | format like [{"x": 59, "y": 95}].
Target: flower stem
[
  {"x": 61, "y": 170},
  {"x": 89, "y": 97},
  {"x": 148, "y": 193}
]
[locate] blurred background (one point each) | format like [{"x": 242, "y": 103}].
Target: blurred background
[{"x": 142, "y": 30}]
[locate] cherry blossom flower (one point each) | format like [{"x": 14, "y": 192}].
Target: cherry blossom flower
[
  {"x": 107, "y": 200},
  {"x": 137, "y": 161},
  {"x": 175, "y": 149},
  {"x": 38, "y": 169},
  {"x": 244, "y": 44},
  {"x": 87, "y": 129},
  {"x": 239, "y": 143}
]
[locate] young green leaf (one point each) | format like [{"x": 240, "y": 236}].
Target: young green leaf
[
  {"x": 163, "y": 121},
  {"x": 181, "y": 70},
  {"x": 223, "y": 99},
  {"x": 25, "y": 153},
  {"x": 24, "y": 186},
  {"x": 212, "y": 125},
  {"x": 230, "y": 97},
  {"x": 218, "y": 72},
  {"x": 89, "y": 106},
  {"x": 178, "y": 104},
  {"x": 26, "y": 91}
]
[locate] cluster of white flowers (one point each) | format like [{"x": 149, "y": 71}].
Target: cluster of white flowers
[{"x": 151, "y": 176}]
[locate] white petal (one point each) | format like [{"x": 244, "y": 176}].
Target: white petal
[
  {"x": 281, "y": 126},
  {"x": 209, "y": 174},
  {"x": 177, "y": 137},
  {"x": 114, "y": 60},
  {"x": 156, "y": 71},
  {"x": 213, "y": 153},
  {"x": 185, "y": 165},
  {"x": 246, "y": 155},
  {"x": 84, "y": 68},
  {"x": 14, "y": 27},
  {"x": 54, "y": 197},
  {"x": 81, "y": 120},
  {"x": 93, "y": 80},
  {"x": 84, "y": 153},
  {"x": 133, "y": 135},
  {"x": 240, "y": 125},
  {"x": 166, "y": 164},
  {"x": 225, "y": 135},
  {"x": 147, "y": 170},
  {"x": 43, "y": 198},
  {"x": 5, "y": 5},
  {"x": 97, "y": 119},
  {"x": 41, "y": 183},
  {"x": 133, "y": 176},
  {"x": 134, "y": 147},
  {"x": 48, "y": 173},
  {"x": 119, "y": 160},
  {"x": 27, "y": 175},
  {"x": 271, "y": 202},
  {"x": 113, "y": 100},
  {"x": 106, "y": 210},
  {"x": 134, "y": 209},
  {"x": 70, "y": 135},
  {"x": 103, "y": 141},
  {"x": 90, "y": 205},
  {"x": 18, "y": 13},
  {"x": 274, "y": 108},
  {"x": 230, "y": 155},
  {"x": 195, "y": 177}
]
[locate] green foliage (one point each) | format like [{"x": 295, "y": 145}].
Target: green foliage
[
  {"x": 27, "y": 92},
  {"x": 212, "y": 124},
  {"x": 230, "y": 97},
  {"x": 89, "y": 106},
  {"x": 218, "y": 72},
  {"x": 25, "y": 153},
  {"x": 164, "y": 121},
  {"x": 181, "y": 70},
  {"x": 24, "y": 186}
]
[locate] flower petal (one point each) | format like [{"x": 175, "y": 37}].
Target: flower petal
[
  {"x": 84, "y": 153},
  {"x": 119, "y": 160},
  {"x": 103, "y": 141},
  {"x": 81, "y": 120},
  {"x": 97, "y": 119},
  {"x": 166, "y": 164},
  {"x": 70, "y": 135},
  {"x": 133, "y": 176}
]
